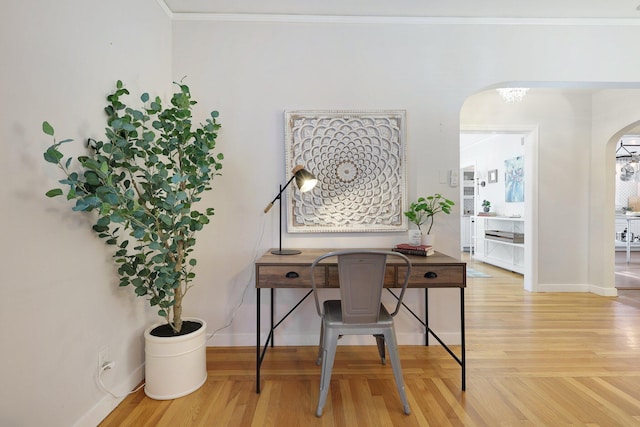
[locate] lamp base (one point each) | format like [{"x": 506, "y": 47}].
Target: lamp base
[{"x": 285, "y": 252}]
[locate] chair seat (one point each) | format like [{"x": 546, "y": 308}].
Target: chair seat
[{"x": 333, "y": 316}]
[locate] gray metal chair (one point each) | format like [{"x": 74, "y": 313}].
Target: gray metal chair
[{"x": 358, "y": 312}]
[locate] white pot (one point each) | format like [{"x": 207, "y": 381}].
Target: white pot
[
  {"x": 175, "y": 366},
  {"x": 428, "y": 239},
  {"x": 415, "y": 237}
]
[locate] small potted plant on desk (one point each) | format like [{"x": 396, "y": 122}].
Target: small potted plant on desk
[
  {"x": 486, "y": 205},
  {"x": 422, "y": 210},
  {"x": 141, "y": 185}
]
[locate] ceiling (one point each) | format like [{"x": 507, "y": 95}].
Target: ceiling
[{"x": 611, "y": 9}]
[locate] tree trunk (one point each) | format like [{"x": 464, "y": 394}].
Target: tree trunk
[{"x": 177, "y": 310}]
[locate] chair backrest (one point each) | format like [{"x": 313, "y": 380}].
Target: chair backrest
[{"x": 361, "y": 274}]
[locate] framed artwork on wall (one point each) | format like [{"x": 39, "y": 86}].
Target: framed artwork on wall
[
  {"x": 514, "y": 179},
  {"x": 359, "y": 160},
  {"x": 493, "y": 176}
]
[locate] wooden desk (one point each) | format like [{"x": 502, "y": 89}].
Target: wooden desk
[{"x": 293, "y": 271}]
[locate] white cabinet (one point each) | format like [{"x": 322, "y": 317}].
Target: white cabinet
[
  {"x": 627, "y": 234},
  {"x": 465, "y": 233},
  {"x": 500, "y": 242},
  {"x": 468, "y": 193},
  {"x": 467, "y": 199},
  {"x": 624, "y": 225}
]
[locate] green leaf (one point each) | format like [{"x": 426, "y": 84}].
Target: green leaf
[
  {"x": 156, "y": 246},
  {"x": 138, "y": 233},
  {"x": 81, "y": 205},
  {"x": 111, "y": 198},
  {"x": 53, "y": 193},
  {"x": 92, "y": 178},
  {"x": 116, "y": 217},
  {"x": 47, "y": 128},
  {"x": 144, "y": 97},
  {"x": 52, "y": 155}
]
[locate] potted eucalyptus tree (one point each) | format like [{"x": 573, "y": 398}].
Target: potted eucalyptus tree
[
  {"x": 141, "y": 185},
  {"x": 424, "y": 209}
]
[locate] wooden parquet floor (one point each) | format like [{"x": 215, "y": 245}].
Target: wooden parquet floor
[{"x": 547, "y": 359}]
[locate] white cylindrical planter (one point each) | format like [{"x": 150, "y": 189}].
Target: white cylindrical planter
[
  {"x": 427, "y": 239},
  {"x": 175, "y": 366},
  {"x": 415, "y": 237}
]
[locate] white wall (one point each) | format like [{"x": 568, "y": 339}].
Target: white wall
[
  {"x": 61, "y": 302},
  {"x": 253, "y": 71}
]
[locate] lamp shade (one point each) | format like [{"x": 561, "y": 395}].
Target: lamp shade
[{"x": 305, "y": 180}]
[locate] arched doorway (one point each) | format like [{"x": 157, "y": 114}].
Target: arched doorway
[
  {"x": 574, "y": 223},
  {"x": 627, "y": 208}
]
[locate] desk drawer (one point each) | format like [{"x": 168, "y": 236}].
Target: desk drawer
[
  {"x": 289, "y": 276},
  {"x": 389, "y": 276},
  {"x": 433, "y": 275}
]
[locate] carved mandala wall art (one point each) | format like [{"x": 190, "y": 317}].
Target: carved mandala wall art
[{"x": 359, "y": 160}]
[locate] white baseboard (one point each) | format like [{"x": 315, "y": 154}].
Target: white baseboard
[
  {"x": 605, "y": 292},
  {"x": 563, "y": 287},
  {"x": 408, "y": 338},
  {"x": 108, "y": 403},
  {"x": 595, "y": 289}
]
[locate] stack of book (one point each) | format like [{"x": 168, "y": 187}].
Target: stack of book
[{"x": 420, "y": 250}]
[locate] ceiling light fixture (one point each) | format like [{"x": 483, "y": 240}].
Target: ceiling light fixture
[{"x": 512, "y": 95}]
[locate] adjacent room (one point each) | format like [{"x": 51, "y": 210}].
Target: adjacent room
[{"x": 253, "y": 77}]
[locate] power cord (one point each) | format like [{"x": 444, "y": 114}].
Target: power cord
[
  {"x": 107, "y": 366},
  {"x": 244, "y": 292}
]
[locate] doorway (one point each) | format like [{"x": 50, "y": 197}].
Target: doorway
[
  {"x": 486, "y": 150},
  {"x": 627, "y": 207}
]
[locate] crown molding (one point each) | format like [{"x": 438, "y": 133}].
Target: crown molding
[
  {"x": 166, "y": 9},
  {"x": 342, "y": 19}
]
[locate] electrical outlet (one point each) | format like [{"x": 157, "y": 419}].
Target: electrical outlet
[{"x": 103, "y": 357}]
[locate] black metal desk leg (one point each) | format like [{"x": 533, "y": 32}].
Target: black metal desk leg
[
  {"x": 258, "y": 340},
  {"x": 426, "y": 316},
  {"x": 273, "y": 293},
  {"x": 463, "y": 346}
]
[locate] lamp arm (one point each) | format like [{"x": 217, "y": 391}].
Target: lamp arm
[{"x": 270, "y": 205}]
